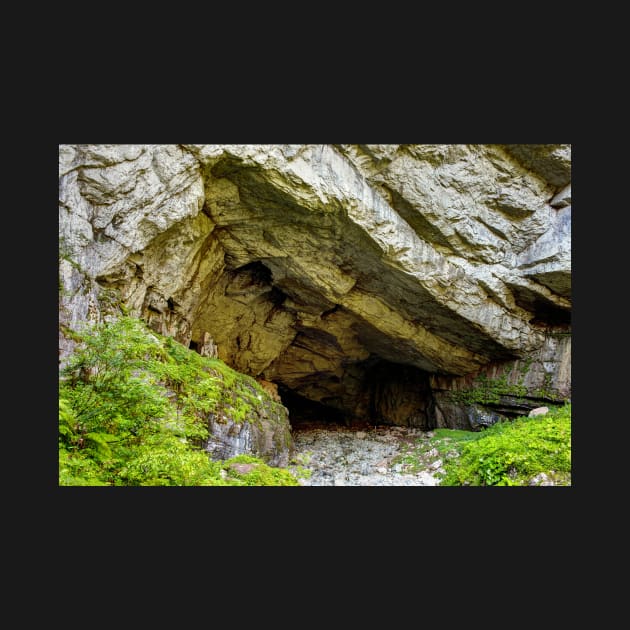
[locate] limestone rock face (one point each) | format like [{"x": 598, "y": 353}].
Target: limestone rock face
[
  {"x": 315, "y": 267},
  {"x": 267, "y": 436}
]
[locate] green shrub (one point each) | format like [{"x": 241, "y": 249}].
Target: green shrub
[
  {"x": 260, "y": 474},
  {"x": 133, "y": 410},
  {"x": 163, "y": 459},
  {"x": 510, "y": 453}
]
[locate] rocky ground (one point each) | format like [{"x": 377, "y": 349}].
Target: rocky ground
[{"x": 371, "y": 456}]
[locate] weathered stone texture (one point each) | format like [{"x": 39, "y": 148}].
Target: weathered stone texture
[{"x": 306, "y": 265}]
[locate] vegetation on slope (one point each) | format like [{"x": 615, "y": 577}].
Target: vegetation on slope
[
  {"x": 512, "y": 453},
  {"x": 133, "y": 410},
  {"x": 521, "y": 452}
]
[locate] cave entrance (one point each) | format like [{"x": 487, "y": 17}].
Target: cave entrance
[
  {"x": 399, "y": 395},
  {"x": 305, "y": 413},
  {"x": 378, "y": 393}
]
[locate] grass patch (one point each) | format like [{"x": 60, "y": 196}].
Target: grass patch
[
  {"x": 255, "y": 473},
  {"x": 415, "y": 457},
  {"x": 509, "y": 453}
]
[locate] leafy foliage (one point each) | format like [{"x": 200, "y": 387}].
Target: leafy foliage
[
  {"x": 163, "y": 459},
  {"x": 510, "y": 453},
  {"x": 259, "y": 475},
  {"x": 133, "y": 410}
]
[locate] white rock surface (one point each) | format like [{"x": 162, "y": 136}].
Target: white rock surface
[
  {"x": 337, "y": 456},
  {"x": 539, "y": 411},
  {"x": 298, "y": 260}
]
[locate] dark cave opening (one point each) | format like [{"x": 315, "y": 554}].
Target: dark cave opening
[
  {"x": 257, "y": 271},
  {"x": 546, "y": 314},
  {"x": 387, "y": 394},
  {"x": 304, "y": 412},
  {"x": 399, "y": 395}
]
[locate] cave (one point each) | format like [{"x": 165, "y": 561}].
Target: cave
[
  {"x": 350, "y": 277},
  {"x": 304, "y": 412},
  {"x": 375, "y": 392},
  {"x": 399, "y": 395}
]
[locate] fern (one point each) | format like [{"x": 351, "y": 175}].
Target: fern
[{"x": 134, "y": 407}]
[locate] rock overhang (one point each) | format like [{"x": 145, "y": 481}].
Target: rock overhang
[{"x": 308, "y": 265}]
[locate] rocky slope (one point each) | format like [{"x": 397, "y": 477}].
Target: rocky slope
[
  {"x": 417, "y": 285},
  {"x": 339, "y": 456}
]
